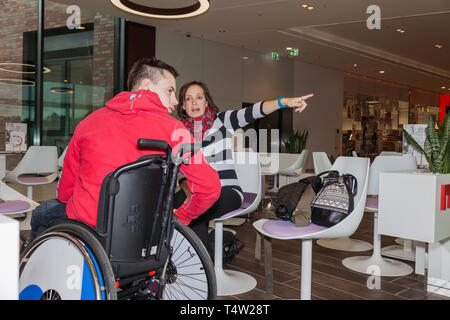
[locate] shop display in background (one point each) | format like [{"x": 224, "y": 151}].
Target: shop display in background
[{"x": 15, "y": 137}]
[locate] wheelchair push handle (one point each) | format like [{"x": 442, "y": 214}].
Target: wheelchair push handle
[
  {"x": 154, "y": 144},
  {"x": 193, "y": 148}
]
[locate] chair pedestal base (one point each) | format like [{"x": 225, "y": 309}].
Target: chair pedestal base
[
  {"x": 345, "y": 244},
  {"x": 376, "y": 265},
  {"x": 230, "y": 282}
]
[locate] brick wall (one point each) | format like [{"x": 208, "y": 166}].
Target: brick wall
[{"x": 19, "y": 16}]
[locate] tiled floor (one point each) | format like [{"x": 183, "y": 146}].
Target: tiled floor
[{"x": 330, "y": 279}]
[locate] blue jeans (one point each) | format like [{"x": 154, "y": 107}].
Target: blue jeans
[{"x": 44, "y": 215}]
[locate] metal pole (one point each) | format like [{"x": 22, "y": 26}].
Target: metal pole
[{"x": 39, "y": 75}]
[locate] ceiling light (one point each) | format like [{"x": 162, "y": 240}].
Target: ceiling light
[
  {"x": 442, "y": 87},
  {"x": 438, "y": 46},
  {"x": 200, "y": 6},
  {"x": 400, "y": 30},
  {"x": 305, "y": 6},
  {"x": 245, "y": 58},
  {"x": 381, "y": 71},
  {"x": 310, "y": 8},
  {"x": 63, "y": 90},
  {"x": 17, "y": 82},
  {"x": 355, "y": 65},
  {"x": 81, "y": 28},
  {"x": 5, "y": 66}
]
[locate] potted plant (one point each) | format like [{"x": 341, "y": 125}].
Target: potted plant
[
  {"x": 416, "y": 205},
  {"x": 296, "y": 142},
  {"x": 437, "y": 144}
]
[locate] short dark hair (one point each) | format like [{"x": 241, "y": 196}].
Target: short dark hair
[
  {"x": 148, "y": 68},
  {"x": 180, "y": 111}
]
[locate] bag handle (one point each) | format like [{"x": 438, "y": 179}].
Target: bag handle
[{"x": 354, "y": 183}]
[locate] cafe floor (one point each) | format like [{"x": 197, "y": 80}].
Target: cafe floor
[{"x": 330, "y": 279}]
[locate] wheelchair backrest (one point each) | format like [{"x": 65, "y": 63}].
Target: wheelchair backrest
[{"x": 130, "y": 209}]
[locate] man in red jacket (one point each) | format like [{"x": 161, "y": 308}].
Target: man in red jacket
[{"x": 107, "y": 139}]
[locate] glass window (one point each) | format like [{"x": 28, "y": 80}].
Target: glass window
[
  {"x": 79, "y": 51},
  {"x": 17, "y": 70}
]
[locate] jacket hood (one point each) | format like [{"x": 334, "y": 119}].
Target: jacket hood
[{"x": 132, "y": 102}]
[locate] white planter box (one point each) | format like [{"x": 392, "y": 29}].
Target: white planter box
[{"x": 410, "y": 208}]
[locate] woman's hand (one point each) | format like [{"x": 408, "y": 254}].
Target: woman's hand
[
  {"x": 299, "y": 103},
  {"x": 186, "y": 190}
]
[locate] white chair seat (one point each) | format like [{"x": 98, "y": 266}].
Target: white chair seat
[
  {"x": 38, "y": 160},
  {"x": 286, "y": 230},
  {"x": 16, "y": 204}
]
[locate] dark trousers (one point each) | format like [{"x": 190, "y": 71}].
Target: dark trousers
[
  {"x": 44, "y": 215},
  {"x": 228, "y": 201}
]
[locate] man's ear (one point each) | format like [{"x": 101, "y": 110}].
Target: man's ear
[{"x": 146, "y": 84}]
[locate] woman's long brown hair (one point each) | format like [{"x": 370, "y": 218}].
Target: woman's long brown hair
[{"x": 180, "y": 111}]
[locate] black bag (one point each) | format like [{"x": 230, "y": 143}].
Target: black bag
[
  {"x": 290, "y": 205},
  {"x": 334, "y": 201},
  {"x": 231, "y": 246}
]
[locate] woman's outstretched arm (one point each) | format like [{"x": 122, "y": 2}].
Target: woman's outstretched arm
[{"x": 298, "y": 103}]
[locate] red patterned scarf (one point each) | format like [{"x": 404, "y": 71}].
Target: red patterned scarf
[{"x": 200, "y": 125}]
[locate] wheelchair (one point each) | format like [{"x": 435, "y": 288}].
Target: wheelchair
[{"x": 138, "y": 249}]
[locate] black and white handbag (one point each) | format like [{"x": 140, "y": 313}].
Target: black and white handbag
[{"x": 335, "y": 200}]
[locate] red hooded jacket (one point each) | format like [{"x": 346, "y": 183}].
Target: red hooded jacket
[{"x": 107, "y": 139}]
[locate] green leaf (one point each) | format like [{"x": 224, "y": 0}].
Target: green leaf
[{"x": 412, "y": 141}]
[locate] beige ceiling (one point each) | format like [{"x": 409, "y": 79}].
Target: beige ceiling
[{"x": 334, "y": 34}]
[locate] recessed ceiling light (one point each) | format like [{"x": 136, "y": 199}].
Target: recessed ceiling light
[
  {"x": 438, "y": 46},
  {"x": 199, "y": 7},
  {"x": 310, "y": 8},
  {"x": 355, "y": 65},
  {"x": 381, "y": 71},
  {"x": 305, "y": 6}
]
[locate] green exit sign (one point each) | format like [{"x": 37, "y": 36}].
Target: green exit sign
[
  {"x": 275, "y": 56},
  {"x": 293, "y": 52}
]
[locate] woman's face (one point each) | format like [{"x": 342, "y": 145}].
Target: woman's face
[{"x": 195, "y": 101}]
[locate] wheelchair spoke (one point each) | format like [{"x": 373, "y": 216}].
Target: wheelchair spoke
[
  {"x": 179, "y": 289},
  {"x": 181, "y": 284}
]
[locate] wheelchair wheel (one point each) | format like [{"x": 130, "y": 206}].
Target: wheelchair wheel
[
  {"x": 190, "y": 273},
  {"x": 66, "y": 263}
]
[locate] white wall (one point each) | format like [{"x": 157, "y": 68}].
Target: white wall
[
  {"x": 233, "y": 80},
  {"x": 323, "y": 116}
]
